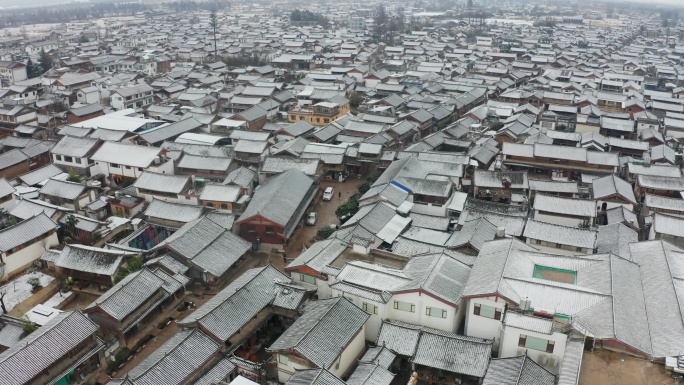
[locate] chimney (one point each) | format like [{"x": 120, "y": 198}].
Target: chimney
[{"x": 500, "y": 232}]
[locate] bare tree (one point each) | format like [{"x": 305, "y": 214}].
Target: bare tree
[{"x": 214, "y": 23}]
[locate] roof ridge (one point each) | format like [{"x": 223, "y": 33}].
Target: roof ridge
[
  {"x": 319, "y": 320},
  {"x": 166, "y": 354},
  {"x": 231, "y": 294}
]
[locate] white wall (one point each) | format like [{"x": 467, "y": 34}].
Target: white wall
[
  {"x": 10, "y": 204},
  {"x": 551, "y": 248},
  {"x": 375, "y": 321},
  {"x": 483, "y": 327},
  {"x": 27, "y": 255},
  {"x": 551, "y": 361},
  {"x": 419, "y": 317},
  {"x": 582, "y": 128},
  {"x": 612, "y": 205},
  {"x": 350, "y": 354},
  {"x": 285, "y": 371},
  {"x": 321, "y": 286},
  {"x": 430, "y": 209},
  {"x": 558, "y": 220}
]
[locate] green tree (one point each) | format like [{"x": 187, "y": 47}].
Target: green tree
[
  {"x": 213, "y": 21},
  {"x": 73, "y": 177},
  {"x": 27, "y": 326},
  {"x": 325, "y": 232},
  {"x": 355, "y": 99},
  {"x": 83, "y": 39},
  {"x": 71, "y": 222},
  {"x": 33, "y": 70},
  {"x": 347, "y": 209},
  {"x": 364, "y": 187},
  {"x": 45, "y": 61}
]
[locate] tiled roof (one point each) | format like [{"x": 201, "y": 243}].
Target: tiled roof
[
  {"x": 44, "y": 347},
  {"x": 229, "y": 310},
  {"x": 322, "y": 331}
]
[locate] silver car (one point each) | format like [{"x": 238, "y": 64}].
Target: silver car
[{"x": 311, "y": 219}]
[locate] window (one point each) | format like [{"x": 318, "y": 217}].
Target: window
[
  {"x": 128, "y": 167},
  {"x": 140, "y": 169},
  {"x": 370, "y": 308},
  {"x": 58, "y": 157},
  {"x": 537, "y": 242},
  {"x": 114, "y": 165},
  {"x": 68, "y": 159},
  {"x": 487, "y": 311},
  {"x": 224, "y": 206},
  {"x": 435, "y": 312},
  {"x": 536, "y": 343},
  {"x": 282, "y": 359},
  {"x": 405, "y": 306},
  {"x": 308, "y": 279}
]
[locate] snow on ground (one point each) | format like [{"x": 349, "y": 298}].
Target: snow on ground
[
  {"x": 18, "y": 290},
  {"x": 57, "y": 299}
]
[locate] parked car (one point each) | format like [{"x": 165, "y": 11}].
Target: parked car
[
  {"x": 311, "y": 219},
  {"x": 328, "y": 193}
]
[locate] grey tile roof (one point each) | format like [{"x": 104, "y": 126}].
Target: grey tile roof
[
  {"x": 661, "y": 267},
  {"x": 72, "y": 146},
  {"x": 320, "y": 254},
  {"x": 229, "y": 310},
  {"x": 243, "y": 177},
  {"x": 289, "y": 296},
  {"x": 44, "y": 347},
  {"x": 173, "y": 211},
  {"x": 199, "y": 162},
  {"x": 572, "y": 362},
  {"x": 565, "y": 206},
  {"x": 495, "y": 179},
  {"x": 661, "y": 182},
  {"x": 439, "y": 275},
  {"x": 653, "y": 201},
  {"x": 379, "y": 355},
  {"x": 548, "y": 186},
  {"x": 280, "y": 199},
  {"x": 314, "y": 377},
  {"x": 220, "y": 193},
  {"x": 208, "y": 245},
  {"x": 28, "y": 208},
  {"x": 398, "y": 337},
  {"x": 172, "y": 363},
  {"x": 321, "y": 333},
  {"x": 153, "y": 181},
  {"x": 616, "y": 238},
  {"x": 621, "y": 214},
  {"x": 90, "y": 259},
  {"x": 520, "y": 370},
  {"x": 456, "y": 354},
  {"x": 612, "y": 185},
  {"x": 5, "y": 188},
  {"x": 273, "y": 164},
  {"x": 63, "y": 189},
  {"x": 126, "y": 154},
  {"x": 370, "y": 374},
  {"x": 219, "y": 372},
  {"x": 474, "y": 233},
  {"x": 36, "y": 176},
  {"x": 529, "y": 322},
  {"x": 564, "y": 235},
  {"x": 25, "y": 231},
  {"x": 129, "y": 294},
  {"x": 11, "y": 331},
  {"x": 172, "y": 130}
]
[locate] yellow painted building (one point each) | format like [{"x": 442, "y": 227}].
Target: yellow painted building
[{"x": 320, "y": 114}]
